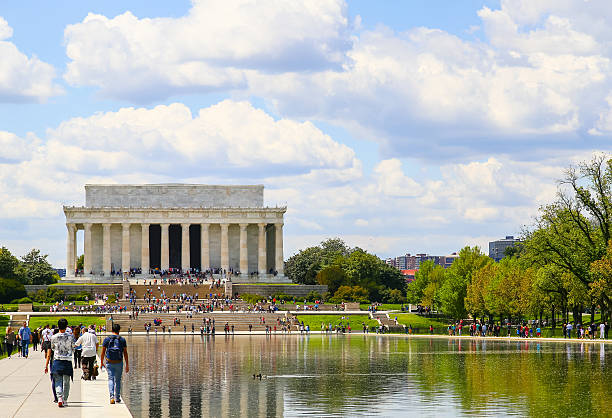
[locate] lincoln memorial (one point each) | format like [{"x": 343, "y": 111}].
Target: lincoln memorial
[{"x": 162, "y": 226}]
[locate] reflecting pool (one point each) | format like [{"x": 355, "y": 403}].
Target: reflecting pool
[{"x": 193, "y": 376}]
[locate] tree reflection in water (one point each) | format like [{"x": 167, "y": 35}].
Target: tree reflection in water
[{"x": 368, "y": 375}]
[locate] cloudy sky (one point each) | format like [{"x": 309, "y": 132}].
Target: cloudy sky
[{"x": 399, "y": 125}]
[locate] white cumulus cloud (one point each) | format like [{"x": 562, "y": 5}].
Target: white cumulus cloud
[
  {"x": 23, "y": 78},
  {"x": 208, "y": 49}
]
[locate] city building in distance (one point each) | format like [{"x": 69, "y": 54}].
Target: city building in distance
[
  {"x": 408, "y": 264},
  {"x": 497, "y": 248}
]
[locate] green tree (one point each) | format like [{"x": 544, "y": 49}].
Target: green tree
[
  {"x": 458, "y": 276},
  {"x": 11, "y": 289},
  {"x": 37, "y": 269},
  {"x": 601, "y": 286},
  {"x": 416, "y": 288},
  {"x": 80, "y": 262},
  {"x": 333, "y": 277},
  {"x": 9, "y": 265},
  {"x": 431, "y": 293},
  {"x": 574, "y": 231},
  {"x": 304, "y": 266}
]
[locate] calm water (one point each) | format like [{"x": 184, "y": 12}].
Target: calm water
[{"x": 191, "y": 376}]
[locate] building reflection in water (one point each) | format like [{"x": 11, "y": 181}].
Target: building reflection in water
[{"x": 194, "y": 376}]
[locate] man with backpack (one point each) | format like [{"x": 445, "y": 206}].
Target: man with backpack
[{"x": 114, "y": 353}]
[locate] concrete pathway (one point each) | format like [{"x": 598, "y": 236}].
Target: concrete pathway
[{"x": 25, "y": 391}]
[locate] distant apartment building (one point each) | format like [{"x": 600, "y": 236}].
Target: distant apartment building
[
  {"x": 410, "y": 262},
  {"x": 497, "y": 248}
]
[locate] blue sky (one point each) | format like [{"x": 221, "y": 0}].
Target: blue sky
[{"x": 402, "y": 126}]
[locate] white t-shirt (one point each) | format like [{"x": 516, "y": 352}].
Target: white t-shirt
[
  {"x": 62, "y": 345},
  {"x": 88, "y": 343},
  {"x": 47, "y": 334}
]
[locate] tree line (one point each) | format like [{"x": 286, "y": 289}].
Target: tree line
[
  {"x": 351, "y": 274},
  {"x": 32, "y": 268},
  {"x": 562, "y": 265}
]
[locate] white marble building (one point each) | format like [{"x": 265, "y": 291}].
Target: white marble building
[{"x": 176, "y": 226}]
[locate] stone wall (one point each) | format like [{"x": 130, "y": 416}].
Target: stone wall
[
  {"x": 273, "y": 289},
  {"x": 73, "y": 290},
  {"x": 173, "y": 195}
]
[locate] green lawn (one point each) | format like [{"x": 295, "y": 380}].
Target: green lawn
[
  {"x": 41, "y": 321},
  {"x": 85, "y": 284},
  {"x": 384, "y": 306},
  {"x": 4, "y": 319},
  {"x": 355, "y": 321},
  {"x": 420, "y": 324}
]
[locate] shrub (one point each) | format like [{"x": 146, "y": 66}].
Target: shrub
[
  {"x": 350, "y": 294},
  {"x": 393, "y": 296},
  {"x": 22, "y": 300},
  {"x": 11, "y": 289},
  {"x": 312, "y": 296},
  {"x": 281, "y": 296},
  {"x": 111, "y": 299},
  {"x": 251, "y": 298},
  {"x": 79, "y": 296},
  {"x": 51, "y": 295}
]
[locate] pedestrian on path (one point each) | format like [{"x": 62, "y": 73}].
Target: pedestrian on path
[
  {"x": 9, "y": 341},
  {"x": 114, "y": 353},
  {"x": 62, "y": 345},
  {"x": 89, "y": 343},
  {"x": 24, "y": 336}
]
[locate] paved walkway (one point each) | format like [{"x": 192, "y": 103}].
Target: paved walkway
[{"x": 25, "y": 391}]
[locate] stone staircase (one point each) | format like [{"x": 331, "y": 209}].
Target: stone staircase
[
  {"x": 202, "y": 290},
  {"x": 387, "y": 322},
  {"x": 240, "y": 320}
]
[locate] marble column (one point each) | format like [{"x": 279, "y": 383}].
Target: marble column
[
  {"x": 144, "y": 253},
  {"x": 261, "y": 248},
  {"x": 204, "y": 247},
  {"x": 279, "y": 263},
  {"x": 70, "y": 253},
  {"x": 244, "y": 250},
  {"x": 106, "y": 249},
  {"x": 185, "y": 248},
  {"x": 87, "y": 258},
  {"x": 125, "y": 249},
  {"x": 165, "y": 247},
  {"x": 224, "y": 247}
]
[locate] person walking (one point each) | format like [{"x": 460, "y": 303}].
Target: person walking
[
  {"x": 114, "y": 353},
  {"x": 24, "y": 336},
  {"x": 89, "y": 344},
  {"x": 62, "y": 345},
  {"x": 46, "y": 335},
  {"x": 9, "y": 341},
  {"x": 76, "y": 334},
  {"x": 35, "y": 339}
]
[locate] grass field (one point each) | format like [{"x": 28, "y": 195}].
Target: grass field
[
  {"x": 384, "y": 306},
  {"x": 85, "y": 284},
  {"x": 355, "y": 321},
  {"x": 3, "y": 324},
  {"x": 41, "y": 321},
  {"x": 420, "y": 324}
]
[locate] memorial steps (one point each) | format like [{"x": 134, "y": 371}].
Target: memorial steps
[
  {"x": 171, "y": 289},
  {"x": 240, "y": 321}
]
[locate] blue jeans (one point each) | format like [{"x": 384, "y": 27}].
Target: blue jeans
[
  {"x": 24, "y": 347},
  {"x": 115, "y": 370},
  {"x": 62, "y": 385}
]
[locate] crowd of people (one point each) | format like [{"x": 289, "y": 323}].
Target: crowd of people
[
  {"x": 527, "y": 329},
  {"x": 68, "y": 348}
]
